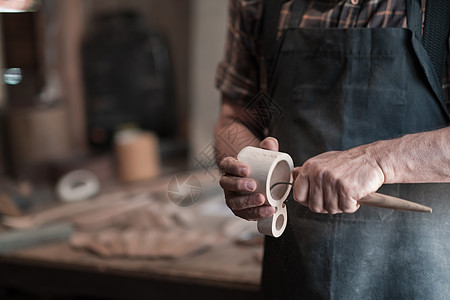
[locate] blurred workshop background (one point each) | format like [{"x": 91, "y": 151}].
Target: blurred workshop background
[{"x": 108, "y": 185}]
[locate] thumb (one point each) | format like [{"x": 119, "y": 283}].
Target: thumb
[
  {"x": 295, "y": 172},
  {"x": 269, "y": 143}
]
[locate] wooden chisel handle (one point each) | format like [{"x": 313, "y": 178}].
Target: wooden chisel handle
[{"x": 385, "y": 201}]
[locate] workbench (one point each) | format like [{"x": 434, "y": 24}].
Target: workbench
[
  {"x": 57, "y": 271},
  {"x": 230, "y": 272}
]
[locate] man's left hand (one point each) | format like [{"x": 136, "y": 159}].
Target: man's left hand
[{"x": 333, "y": 182}]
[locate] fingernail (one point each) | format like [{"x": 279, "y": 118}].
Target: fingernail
[
  {"x": 251, "y": 185},
  {"x": 269, "y": 143},
  {"x": 269, "y": 210},
  {"x": 257, "y": 199},
  {"x": 272, "y": 143},
  {"x": 243, "y": 171}
]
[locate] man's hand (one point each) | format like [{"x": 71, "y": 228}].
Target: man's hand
[
  {"x": 240, "y": 200},
  {"x": 332, "y": 182}
]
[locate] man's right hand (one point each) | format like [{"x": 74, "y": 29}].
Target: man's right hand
[{"x": 238, "y": 189}]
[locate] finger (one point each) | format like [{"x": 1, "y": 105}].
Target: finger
[
  {"x": 330, "y": 197},
  {"x": 255, "y": 213},
  {"x": 347, "y": 205},
  {"x": 241, "y": 202},
  {"x": 331, "y": 202},
  {"x": 301, "y": 189},
  {"x": 232, "y": 166},
  {"x": 237, "y": 184},
  {"x": 315, "y": 196},
  {"x": 295, "y": 172},
  {"x": 269, "y": 143}
]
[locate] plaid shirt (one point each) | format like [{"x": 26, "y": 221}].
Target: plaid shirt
[{"x": 240, "y": 75}]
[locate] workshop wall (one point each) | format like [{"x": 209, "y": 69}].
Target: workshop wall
[
  {"x": 208, "y": 28},
  {"x": 60, "y": 28}
]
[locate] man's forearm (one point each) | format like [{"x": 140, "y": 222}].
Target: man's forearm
[
  {"x": 415, "y": 158},
  {"x": 231, "y": 134}
]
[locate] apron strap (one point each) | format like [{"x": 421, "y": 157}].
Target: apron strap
[
  {"x": 435, "y": 33},
  {"x": 414, "y": 20},
  {"x": 269, "y": 29},
  {"x": 435, "y": 30},
  {"x": 269, "y": 43},
  {"x": 297, "y": 10}
]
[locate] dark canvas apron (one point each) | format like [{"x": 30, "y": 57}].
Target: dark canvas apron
[{"x": 340, "y": 88}]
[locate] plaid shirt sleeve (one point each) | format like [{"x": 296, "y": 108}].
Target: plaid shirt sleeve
[{"x": 238, "y": 73}]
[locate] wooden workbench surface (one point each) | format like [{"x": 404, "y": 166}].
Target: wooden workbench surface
[
  {"x": 227, "y": 272},
  {"x": 226, "y": 268},
  {"x": 229, "y": 266}
]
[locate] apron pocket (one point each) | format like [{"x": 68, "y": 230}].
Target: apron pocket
[
  {"x": 362, "y": 122},
  {"x": 355, "y": 115}
]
